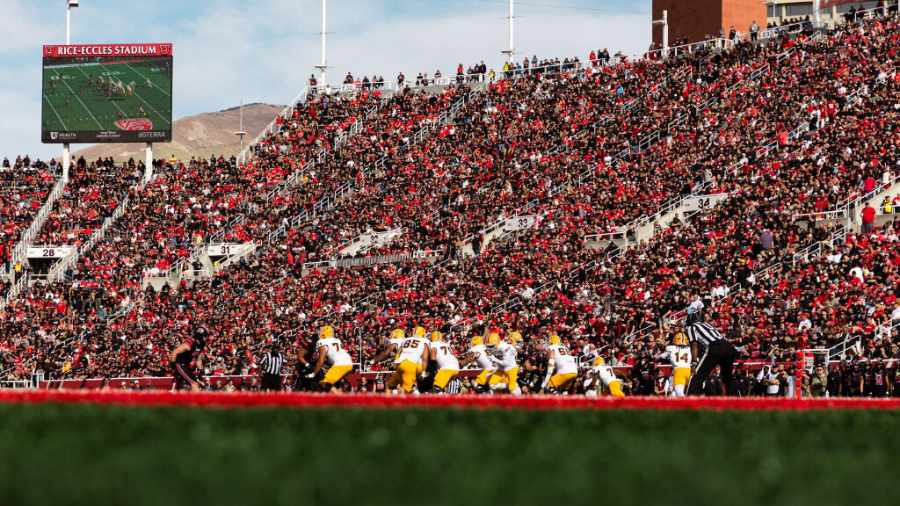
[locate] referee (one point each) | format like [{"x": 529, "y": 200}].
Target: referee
[
  {"x": 717, "y": 351},
  {"x": 270, "y": 365}
]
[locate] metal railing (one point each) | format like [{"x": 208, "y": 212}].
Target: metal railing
[
  {"x": 789, "y": 29},
  {"x": 370, "y": 239},
  {"x": 852, "y": 203},
  {"x": 420, "y": 256},
  {"x": 816, "y": 250},
  {"x": 720, "y": 44},
  {"x": 669, "y": 206}
]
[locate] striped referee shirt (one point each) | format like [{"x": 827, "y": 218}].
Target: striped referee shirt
[
  {"x": 703, "y": 334},
  {"x": 271, "y": 363}
]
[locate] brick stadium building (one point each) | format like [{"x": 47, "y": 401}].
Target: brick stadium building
[{"x": 696, "y": 20}]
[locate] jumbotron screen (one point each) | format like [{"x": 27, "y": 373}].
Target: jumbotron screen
[{"x": 107, "y": 93}]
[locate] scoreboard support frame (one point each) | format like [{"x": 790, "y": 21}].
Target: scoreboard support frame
[
  {"x": 66, "y": 162},
  {"x": 148, "y": 162}
]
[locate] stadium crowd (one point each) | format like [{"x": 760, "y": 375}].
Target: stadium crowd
[
  {"x": 24, "y": 186},
  {"x": 784, "y": 127}
]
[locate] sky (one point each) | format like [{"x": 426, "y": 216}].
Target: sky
[{"x": 265, "y": 50}]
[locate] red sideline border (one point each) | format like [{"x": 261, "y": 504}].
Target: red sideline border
[{"x": 537, "y": 402}]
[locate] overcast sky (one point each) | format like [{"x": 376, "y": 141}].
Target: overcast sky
[{"x": 263, "y": 51}]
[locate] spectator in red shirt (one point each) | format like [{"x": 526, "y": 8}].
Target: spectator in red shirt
[
  {"x": 868, "y": 219},
  {"x": 868, "y": 184}
]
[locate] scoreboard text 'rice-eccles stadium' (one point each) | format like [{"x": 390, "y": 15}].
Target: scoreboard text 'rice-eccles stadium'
[{"x": 107, "y": 93}]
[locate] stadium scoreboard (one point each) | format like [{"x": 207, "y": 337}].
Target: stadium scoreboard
[{"x": 106, "y": 93}]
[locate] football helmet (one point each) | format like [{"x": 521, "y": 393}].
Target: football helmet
[
  {"x": 436, "y": 336},
  {"x": 326, "y": 332},
  {"x": 554, "y": 339},
  {"x": 680, "y": 339},
  {"x": 398, "y": 334},
  {"x": 477, "y": 340},
  {"x": 493, "y": 339},
  {"x": 599, "y": 361},
  {"x": 419, "y": 332}
]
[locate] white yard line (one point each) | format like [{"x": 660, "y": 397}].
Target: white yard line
[
  {"x": 152, "y": 108},
  {"x": 79, "y": 99},
  {"x": 142, "y": 76},
  {"x": 61, "y": 122}
]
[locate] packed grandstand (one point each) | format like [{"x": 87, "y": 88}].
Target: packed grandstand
[{"x": 584, "y": 202}]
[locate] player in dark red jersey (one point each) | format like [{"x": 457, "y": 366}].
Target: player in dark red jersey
[{"x": 187, "y": 358}]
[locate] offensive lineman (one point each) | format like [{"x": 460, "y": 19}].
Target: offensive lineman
[
  {"x": 478, "y": 353},
  {"x": 602, "y": 375},
  {"x": 410, "y": 362},
  {"x": 504, "y": 353},
  {"x": 679, "y": 355},
  {"x": 390, "y": 346},
  {"x": 562, "y": 369},
  {"x": 447, "y": 365},
  {"x": 340, "y": 364}
]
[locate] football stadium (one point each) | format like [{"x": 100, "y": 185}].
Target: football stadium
[{"x": 628, "y": 278}]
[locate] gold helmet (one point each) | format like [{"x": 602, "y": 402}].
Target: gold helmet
[
  {"x": 680, "y": 339},
  {"x": 436, "y": 336},
  {"x": 419, "y": 332},
  {"x": 326, "y": 332},
  {"x": 477, "y": 340},
  {"x": 554, "y": 339},
  {"x": 514, "y": 337},
  {"x": 599, "y": 361},
  {"x": 493, "y": 339},
  {"x": 398, "y": 334}
]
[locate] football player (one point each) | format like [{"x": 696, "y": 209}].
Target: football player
[
  {"x": 187, "y": 359},
  {"x": 478, "y": 353},
  {"x": 303, "y": 367},
  {"x": 504, "y": 353},
  {"x": 410, "y": 362},
  {"x": 562, "y": 369},
  {"x": 679, "y": 355},
  {"x": 390, "y": 349},
  {"x": 447, "y": 365},
  {"x": 602, "y": 376},
  {"x": 390, "y": 346},
  {"x": 330, "y": 349}
]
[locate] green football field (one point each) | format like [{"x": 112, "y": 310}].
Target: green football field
[
  {"x": 74, "y": 99},
  {"x": 98, "y": 455}
]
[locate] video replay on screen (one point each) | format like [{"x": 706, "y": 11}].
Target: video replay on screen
[{"x": 107, "y": 93}]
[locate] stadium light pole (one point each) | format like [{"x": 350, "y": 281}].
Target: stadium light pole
[
  {"x": 817, "y": 13},
  {"x": 510, "y": 30},
  {"x": 323, "y": 66},
  {"x": 241, "y": 133},
  {"x": 67, "y": 157},
  {"x": 665, "y": 32}
]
